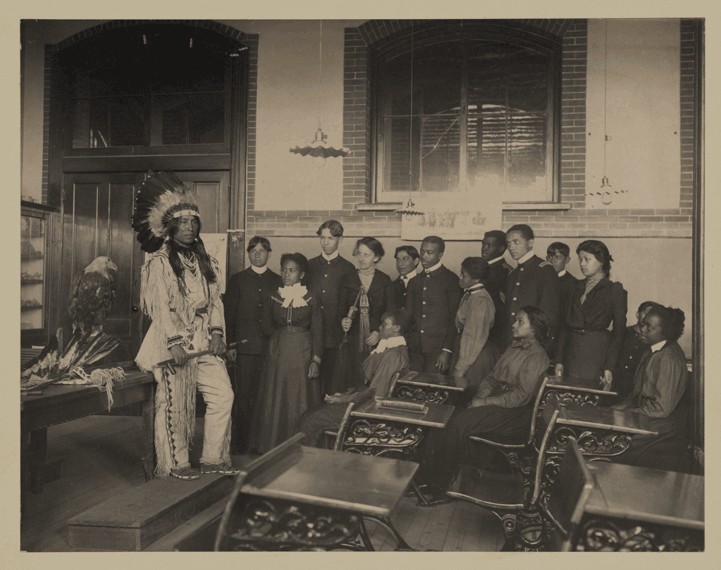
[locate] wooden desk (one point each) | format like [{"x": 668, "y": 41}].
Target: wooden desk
[
  {"x": 601, "y": 433},
  {"x": 62, "y": 403},
  {"x": 572, "y": 390},
  {"x": 637, "y": 508},
  {"x": 301, "y": 498},
  {"x": 434, "y": 387}
]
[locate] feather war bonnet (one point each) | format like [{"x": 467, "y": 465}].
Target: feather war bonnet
[{"x": 160, "y": 198}]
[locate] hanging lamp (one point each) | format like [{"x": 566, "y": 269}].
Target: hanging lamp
[
  {"x": 409, "y": 209},
  {"x": 319, "y": 147}
]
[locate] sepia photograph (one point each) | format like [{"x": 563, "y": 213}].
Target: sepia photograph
[{"x": 389, "y": 284}]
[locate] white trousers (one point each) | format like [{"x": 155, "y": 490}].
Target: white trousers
[{"x": 171, "y": 436}]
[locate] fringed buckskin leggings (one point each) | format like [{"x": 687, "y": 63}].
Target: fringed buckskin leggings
[{"x": 175, "y": 411}]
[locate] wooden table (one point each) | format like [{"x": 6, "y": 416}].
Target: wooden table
[
  {"x": 434, "y": 387},
  {"x": 62, "y": 403},
  {"x": 642, "y": 509},
  {"x": 572, "y": 390},
  {"x": 305, "y": 498}
]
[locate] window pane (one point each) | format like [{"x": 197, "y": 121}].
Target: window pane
[
  {"x": 439, "y": 73},
  {"x": 440, "y": 153},
  {"x": 191, "y": 119},
  {"x": 400, "y": 174},
  {"x": 116, "y": 121}
]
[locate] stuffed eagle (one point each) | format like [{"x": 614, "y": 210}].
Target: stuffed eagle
[{"x": 91, "y": 299}]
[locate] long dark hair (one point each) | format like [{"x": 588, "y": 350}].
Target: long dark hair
[{"x": 198, "y": 248}]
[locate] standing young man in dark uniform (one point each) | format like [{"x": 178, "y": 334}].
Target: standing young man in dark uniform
[
  {"x": 558, "y": 254},
  {"x": 493, "y": 249},
  {"x": 430, "y": 312},
  {"x": 532, "y": 282},
  {"x": 407, "y": 259},
  {"x": 324, "y": 273},
  {"x": 247, "y": 292}
]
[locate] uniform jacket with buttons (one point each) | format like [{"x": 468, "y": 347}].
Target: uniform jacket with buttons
[
  {"x": 533, "y": 282},
  {"x": 430, "y": 312},
  {"x": 245, "y": 296},
  {"x": 496, "y": 286},
  {"x": 324, "y": 280}
]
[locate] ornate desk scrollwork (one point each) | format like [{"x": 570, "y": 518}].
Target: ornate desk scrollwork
[
  {"x": 421, "y": 394},
  {"x": 264, "y": 524},
  {"x": 564, "y": 397},
  {"x": 615, "y": 535},
  {"x": 591, "y": 442},
  {"x": 380, "y": 437}
]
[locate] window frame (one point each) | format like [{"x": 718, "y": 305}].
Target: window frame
[{"x": 433, "y": 33}]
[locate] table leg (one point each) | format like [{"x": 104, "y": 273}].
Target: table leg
[
  {"x": 148, "y": 412},
  {"x": 386, "y": 523},
  {"x": 38, "y": 452}
]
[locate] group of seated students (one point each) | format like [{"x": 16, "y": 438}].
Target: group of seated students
[{"x": 496, "y": 330}]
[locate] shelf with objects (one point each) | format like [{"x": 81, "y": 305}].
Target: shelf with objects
[{"x": 34, "y": 221}]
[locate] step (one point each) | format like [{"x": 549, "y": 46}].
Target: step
[
  {"x": 194, "y": 535},
  {"x": 139, "y": 517}
]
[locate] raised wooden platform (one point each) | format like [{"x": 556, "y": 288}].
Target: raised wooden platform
[{"x": 133, "y": 520}]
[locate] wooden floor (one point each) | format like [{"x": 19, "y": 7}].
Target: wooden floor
[{"x": 100, "y": 457}]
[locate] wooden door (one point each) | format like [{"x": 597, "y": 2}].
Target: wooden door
[{"x": 96, "y": 220}]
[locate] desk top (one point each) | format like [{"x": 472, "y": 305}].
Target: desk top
[
  {"x": 437, "y": 415},
  {"x": 589, "y": 385},
  {"x": 624, "y": 421},
  {"x": 54, "y": 393},
  {"x": 649, "y": 495},
  {"x": 430, "y": 380},
  {"x": 359, "y": 483}
]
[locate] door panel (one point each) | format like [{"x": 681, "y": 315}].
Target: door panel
[{"x": 97, "y": 212}]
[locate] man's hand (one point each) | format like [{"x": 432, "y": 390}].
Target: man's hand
[
  {"x": 558, "y": 369},
  {"x": 346, "y": 323},
  {"x": 231, "y": 354},
  {"x": 373, "y": 338},
  {"x": 313, "y": 370},
  {"x": 607, "y": 380},
  {"x": 444, "y": 359},
  {"x": 179, "y": 355},
  {"x": 217, "y": 345},
  {"x": 477, "y": 403}
]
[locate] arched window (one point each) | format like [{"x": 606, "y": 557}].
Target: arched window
[{"x": 459, "y": 109}]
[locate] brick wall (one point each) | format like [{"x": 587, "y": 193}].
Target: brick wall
[{"x": 576, "y": 222}]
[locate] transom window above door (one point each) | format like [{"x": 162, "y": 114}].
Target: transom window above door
[
  {"x": 466, "y": 110},
  {"x": 151, "y": 85}
]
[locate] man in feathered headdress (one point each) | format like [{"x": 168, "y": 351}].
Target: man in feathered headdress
[{"x": 180, "y": 290}]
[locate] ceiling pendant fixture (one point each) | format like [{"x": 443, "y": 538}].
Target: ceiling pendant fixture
[
  {"x": 409, "y": 208},
  {"x": 605, "y": 193},
  {"x": 319, "y": 146}
]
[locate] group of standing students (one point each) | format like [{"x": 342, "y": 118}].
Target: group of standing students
[{"x": 492, "y": 329}]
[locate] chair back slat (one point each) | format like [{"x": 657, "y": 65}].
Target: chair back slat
[
  {"x": 550, "y": 416},
  {"x": 536, "y": 407},
  {"x": 568, "y": 495}
]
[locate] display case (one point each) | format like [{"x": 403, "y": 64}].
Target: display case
[{"x": 34, "y": 222}]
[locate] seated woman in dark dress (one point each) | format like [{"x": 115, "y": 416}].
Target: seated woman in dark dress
[
  {"x": 501, "y": 407},
  {"x": 586, "y": 347},
  {"x": 658, "y": 389}
]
